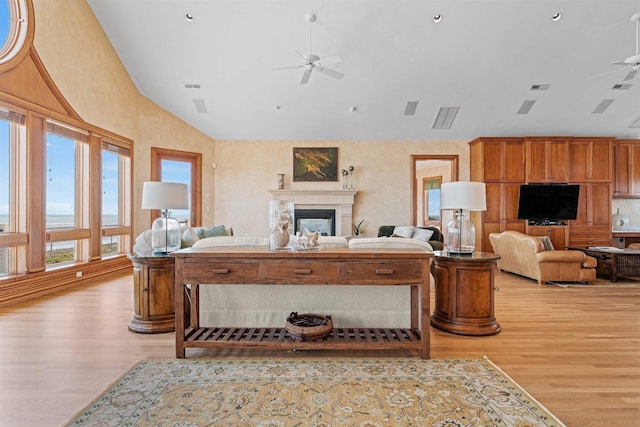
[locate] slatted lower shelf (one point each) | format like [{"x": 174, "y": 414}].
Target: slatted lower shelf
[{"x": 339, "y": 338}]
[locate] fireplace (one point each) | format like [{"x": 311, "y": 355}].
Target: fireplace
[
  {"x": 339, "y": 201},
  {"x": 321, "y": 220}
]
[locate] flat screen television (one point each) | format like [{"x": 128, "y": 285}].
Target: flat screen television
[{"x": 548, "y": 203}]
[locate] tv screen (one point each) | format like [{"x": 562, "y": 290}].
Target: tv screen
[{"x": 548, "y": 203}]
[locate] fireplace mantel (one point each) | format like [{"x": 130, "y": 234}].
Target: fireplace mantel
[{"x": 340, "y": 200}]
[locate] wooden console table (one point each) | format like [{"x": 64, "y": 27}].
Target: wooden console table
[
  {"x": 237, "y": 266},
  {"x": 464, "y": 294}
]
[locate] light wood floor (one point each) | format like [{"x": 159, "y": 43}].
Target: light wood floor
[{"x": 576, "y": 350}]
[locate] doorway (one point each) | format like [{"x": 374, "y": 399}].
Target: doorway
[{"x": 428, "y": 172}]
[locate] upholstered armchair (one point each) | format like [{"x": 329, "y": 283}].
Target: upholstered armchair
[{"x": 525, "y": 255}]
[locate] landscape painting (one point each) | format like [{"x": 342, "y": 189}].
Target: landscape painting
[{"x": 315, "y": 164}]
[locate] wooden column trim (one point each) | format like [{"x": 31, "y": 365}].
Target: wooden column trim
[{"x": 36, "y": 203}]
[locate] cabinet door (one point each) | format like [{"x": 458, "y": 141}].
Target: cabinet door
[
  {"x": 492, "y": 161},
  {"x": 557, "y": 234},
  {"x": 579, "y": 167},
  {"x": 536, "y": 161},
  {"x": 600, "y": 161},
  {"x": 622, "y": 170},
  {"x": 514, "y": 161},
  {"x": 600, "y": 204},
  {"x": 558, "y": 161},
  {"x": 634, "y": 173}
]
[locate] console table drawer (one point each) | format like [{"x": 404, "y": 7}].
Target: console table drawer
[
  {"x": 301, "y": 271},
  {"x": 223, "y": 272},
  {"x": 399, "y": 272}
]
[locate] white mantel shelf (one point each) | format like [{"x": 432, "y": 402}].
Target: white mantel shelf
[{"x": 340, "y": 200}]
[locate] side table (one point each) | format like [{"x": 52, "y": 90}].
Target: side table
[
  {"x": 464, "y": 294},
  {"x": 153, "y": 294}
]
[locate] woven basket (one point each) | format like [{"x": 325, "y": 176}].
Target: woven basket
[{"x": 308, "y": 327}]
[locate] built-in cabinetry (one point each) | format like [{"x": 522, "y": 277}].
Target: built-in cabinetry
[
  {"x": 499, "y": 162},
  {"x": 626, "y": 182},
  {"x": 506, "y": 163}
]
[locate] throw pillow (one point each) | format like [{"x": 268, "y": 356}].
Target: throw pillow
[
  {"x": 189, "y": 237},
  {"x": 546, "y": 243},
  {"x": 403, "y": 231},
  {"x": 218, "y": 230},
  {"x": 421, "y": 234}
]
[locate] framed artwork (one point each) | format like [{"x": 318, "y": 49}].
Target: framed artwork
[{"x": 315, "y": 164}]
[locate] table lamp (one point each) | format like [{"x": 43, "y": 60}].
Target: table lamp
[
  {"x": 461, "y": 195},
  {"x": 165, "y": 231}
]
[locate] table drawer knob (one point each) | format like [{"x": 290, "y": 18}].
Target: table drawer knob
[
  {"x": 220, "y": 270},
  {"x": 386, "y": 271},
  {"x": 302, "y": 270}
]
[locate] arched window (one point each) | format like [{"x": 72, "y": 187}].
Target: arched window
[{"x": 16, "y": 32}]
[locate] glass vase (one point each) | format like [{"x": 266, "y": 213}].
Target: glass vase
[
  {"x": 281, "y": 214},
  {"x": 461, "y": 235}
]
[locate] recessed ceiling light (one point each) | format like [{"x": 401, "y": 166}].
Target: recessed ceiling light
[
  {"x": 189, "y": 17},
  {"x": 437, "y": 18},
  {"x": 353, "y": 109},
  {"x": 556, "y": 17}
]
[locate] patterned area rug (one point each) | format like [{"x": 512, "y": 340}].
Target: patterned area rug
[{"x": 320, "y": 393}]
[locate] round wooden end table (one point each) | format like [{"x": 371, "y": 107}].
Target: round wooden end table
[
  {"x": 153, "y": 294},
  {"x": 464, "y": 293}
]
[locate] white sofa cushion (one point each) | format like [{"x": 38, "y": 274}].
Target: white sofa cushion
[
  {"x": 233, "y": 241},
  {"x": 389, "y": 243}
]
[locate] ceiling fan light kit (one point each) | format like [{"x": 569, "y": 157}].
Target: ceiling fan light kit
[{"x": 313, "y": 61}]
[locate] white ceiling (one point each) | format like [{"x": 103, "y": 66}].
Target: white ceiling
[{"x": 484, "y": 57}]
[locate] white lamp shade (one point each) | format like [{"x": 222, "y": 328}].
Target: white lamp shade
[
  {"x": 463, "y": 195},
  {"x": 165, "y": 195}
]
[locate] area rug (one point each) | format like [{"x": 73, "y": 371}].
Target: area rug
[{"x": 318, "y": 393}]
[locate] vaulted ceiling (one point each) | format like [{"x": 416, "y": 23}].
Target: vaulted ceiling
[{"x": 507, "y": 66}]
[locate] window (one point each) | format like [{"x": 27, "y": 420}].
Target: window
[
  {"x": 116, "y": 196},
  {"x": 12, "y": 188},
  {"x": 182, "y": 167},
  {"x": 15, "y": 34},
  {"x": 431, "y": 188},
  {"x": 67, "y": 188}
]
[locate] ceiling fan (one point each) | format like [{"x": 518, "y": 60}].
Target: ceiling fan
[
  {"x": 312, "y": 61},
  {"x": 632, "y": 63}
]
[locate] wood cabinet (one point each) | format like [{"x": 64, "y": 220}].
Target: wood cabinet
[
  {"x": 547, "y": 160},
  {"x": 153, "y": 294},
  {"x": 498, "y": 159},
  {"x": 558, "y": 234},
  {"x": 500, "y": 163},
  {"x": 591, "y": 160},
  {"x": 592, "y": 227},
  {"x": 626, "y": 159},
  {"x": 506, "y": 163}
]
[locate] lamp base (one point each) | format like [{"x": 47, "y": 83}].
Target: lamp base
[
  {"x": 461, "y": 252},
  {"x": 461, "y": 236}
]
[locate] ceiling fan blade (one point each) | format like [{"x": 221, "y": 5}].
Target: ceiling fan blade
[
  {"x": 610, "y": 72},
  {"x": 306, "y": 76},
  {"x": 631, "y": 75},
  {"x": 331, "y": 60},
  {"x": 289, "y": 67},
  {"x": 328, "y": 72}
]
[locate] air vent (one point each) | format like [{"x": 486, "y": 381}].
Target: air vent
[
  {"x": 410, "y": 109},
  {"x": 192, "y": 85},
  {"x": 201, "y": 107},
  {"x": 636, "y": 123},
  {"x": 621, "y": 86},
  {"x": 526, "y": 106},
  {"x": 604, "y": 104},
  {"x": 445, "y": 117},
  {"x": 540, "y": 87}
]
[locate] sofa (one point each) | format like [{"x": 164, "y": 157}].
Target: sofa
[
  {"x": 430, "y": 234},
  {"x": 260, "y": 305},
  {"x": 526, "y": 256}
]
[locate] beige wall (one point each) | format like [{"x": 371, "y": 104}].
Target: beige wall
[
  {"x": 246, "y": 171},
  {"x": 84, "y": 66},
  {"x": 89, "y": 74}
]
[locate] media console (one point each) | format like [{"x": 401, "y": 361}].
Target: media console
[{"x": 197, "y": 267}]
